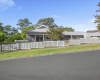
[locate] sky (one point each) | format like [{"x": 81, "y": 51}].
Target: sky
[{"x": 77, "y": 14}]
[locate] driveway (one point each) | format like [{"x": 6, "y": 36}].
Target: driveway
[{"x": 72, "y": 66}]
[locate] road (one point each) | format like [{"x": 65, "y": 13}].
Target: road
[{"x": 72, "y": 66}]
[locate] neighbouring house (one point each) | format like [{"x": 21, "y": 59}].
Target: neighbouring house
[{"x": 39, "y": 34}]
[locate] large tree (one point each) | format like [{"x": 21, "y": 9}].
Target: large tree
[
  {"x": 55, "y": 33},
  {"x": 23, "y": 23},
  {"x": 1, "y": 27},
  {"x": 13, "y": 30},
  {"x": 47, "y": 21},
  {"x": 68, "y": 29},
  {"x": 7, "y": 29},
  {"x": 98, "y": 18}
]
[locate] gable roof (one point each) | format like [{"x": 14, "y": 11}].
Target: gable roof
[{"x": 41, "y": 28}]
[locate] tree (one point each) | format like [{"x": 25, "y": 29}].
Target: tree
[
  {"x": 55, "y": 33},
  {"x": 3, "y": 36},
  {"x": 68, "y": 29},
  {"x": 14, "y": 37},
  {"x": 47, "y": 21},
  {"x": 23, "y": 23},
  {"x": 23, "y": 34},
  {"x": 7, "y": 29},
  {"x": 1, "y": 27},
  {"x": 13, "y": 30},
  {"x": 98, "y": 18}
]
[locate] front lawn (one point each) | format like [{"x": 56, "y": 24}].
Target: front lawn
[{"x": 46, "y": 51}]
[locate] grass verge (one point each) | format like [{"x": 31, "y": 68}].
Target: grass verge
[{"x": 46, "y": 51}]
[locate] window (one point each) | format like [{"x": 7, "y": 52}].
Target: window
[{"x": 47, "y": 38}]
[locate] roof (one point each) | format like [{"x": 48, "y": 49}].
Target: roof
[
  {"x": 73, "y": 33},
  {"x": 92, "y": 31},
  {"x": 44, "y": 29},
  {"x": 41, "y": 28}
]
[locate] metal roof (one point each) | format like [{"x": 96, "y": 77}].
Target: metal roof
[
  {"x": 73, "y": 33},
  {"x": 40, "y": 29}
]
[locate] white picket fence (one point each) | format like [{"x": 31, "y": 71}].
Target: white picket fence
[
  {"x": 31, "y": 45},
  {"x": 84, "y": 41},
  {"x": 74, "y": 42}
]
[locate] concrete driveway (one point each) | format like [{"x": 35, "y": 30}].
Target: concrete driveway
[{"x": 72, "y": 66}]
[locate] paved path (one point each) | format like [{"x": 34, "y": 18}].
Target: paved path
[{"x": 73, "y": 66}]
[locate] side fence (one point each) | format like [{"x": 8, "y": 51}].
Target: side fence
[
  {"x": 84, "y": 41},
  {"x": 30, "y": 45}
]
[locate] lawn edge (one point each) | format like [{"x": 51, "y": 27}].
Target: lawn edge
[{"x": 57, "y": 53}]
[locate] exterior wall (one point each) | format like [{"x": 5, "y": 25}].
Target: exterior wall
[
  {"x": 93, "y": 34},
  {"x": 66, "y": 37},
  {"x": 31, "y": 38},
  {"x": 77, "y": 36}
]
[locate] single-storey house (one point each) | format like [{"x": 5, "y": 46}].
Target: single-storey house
[{"x": 39, "y": 34}]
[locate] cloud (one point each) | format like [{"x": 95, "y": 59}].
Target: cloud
[
  {"x": 19, "y": 8},
  {"x": 92, "y": 20},
  {"x": 5, "y": 4},
  {"x": 56, "y": 16}
]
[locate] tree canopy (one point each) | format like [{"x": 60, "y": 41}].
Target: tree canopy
[
  {"x": 1, "y": 27},
  {"x": 14, "y": 37},
  {"x": 98, "y": 18},
  {"x": 47, "y": 21},
  {"x": 3, "y": 36},
  {"x": 55, "y": 33},
  {"x": 23, "y": 23},
  {"x": 68, "y": 29},
  {"x": 7, "y": 29}
]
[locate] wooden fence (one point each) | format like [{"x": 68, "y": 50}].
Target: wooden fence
[
  {"x": 84, "y": 41},
  {"x": 74, "y": 42},
  {"x": 30, "y": 45}
]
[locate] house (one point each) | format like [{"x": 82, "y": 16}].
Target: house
[{"x": 39, "y": 34}]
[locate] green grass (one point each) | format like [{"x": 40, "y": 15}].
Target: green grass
[{"x": 46, "y": 51}]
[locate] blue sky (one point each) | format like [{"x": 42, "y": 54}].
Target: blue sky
[{"x": 77, "y": 14}]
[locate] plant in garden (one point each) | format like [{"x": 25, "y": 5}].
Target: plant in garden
[{"x": 55, "y": 33}]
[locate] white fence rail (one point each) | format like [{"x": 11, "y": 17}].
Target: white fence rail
[
  {"x": 74, "y": 42},
  {"x": 37, "y": 44},
  {"x": 30, "y": 45},
  {"x": 84, "y": 40}
]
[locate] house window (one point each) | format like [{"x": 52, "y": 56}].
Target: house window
[{"x": 47, "y": 38}]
